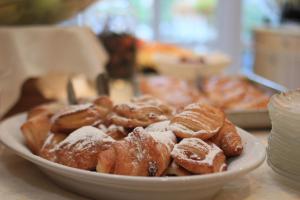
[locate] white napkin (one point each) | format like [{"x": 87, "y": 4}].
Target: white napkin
[{"x": 27, "y": 52}]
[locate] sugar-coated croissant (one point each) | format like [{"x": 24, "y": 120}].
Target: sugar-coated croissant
[
  {"x": 141, "y": 153},
  {"x": 228, "y": 140},
  {"x": 81, "y": 148},
  {"x": 197, "y": 120},
  {"x": 199, "y": 157}
]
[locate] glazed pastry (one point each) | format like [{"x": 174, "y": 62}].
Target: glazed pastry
[
  {"x": 228, "y": 140},
  {"x": 35, "y": 131},
  {"x": 141, "y": 153},
  {"x": 176, "y": 170},
  {"x": 114, "y": 131},
  {"x": 197, "y": 120},
  {"x": 81, "y": 148},
  {"x": 76, "y": 116},
  {"x": 139, "y": 113},
  {"x": 48, "y": 150},
  {"x": 199, "y": 157}
]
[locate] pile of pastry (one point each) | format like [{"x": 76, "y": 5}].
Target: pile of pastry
[
  {"x": 225, "y": 92},
  {"x": 144, "y": 137}
]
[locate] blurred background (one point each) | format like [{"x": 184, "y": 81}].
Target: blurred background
[{"x": 235, "y": 36}]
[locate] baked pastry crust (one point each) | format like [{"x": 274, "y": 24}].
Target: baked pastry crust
[
  {"x": 197, "y": 120},
  {"x": 74, "y": 117},
  {"x": 176, "y": 170},
  {"x": 199, "y": 157},
  {"x": 228, "y": 140},
  {"x": 114, "y": 131},
  {"x": 141, "y": 153},
  {"x": 81, "y": 148},
  {"x": 48, "y": 150},
  {"x": 35, "y": 131},
  {"x": 141, "y": 111}
]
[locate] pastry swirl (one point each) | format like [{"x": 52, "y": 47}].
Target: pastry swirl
[
  {"x": 197, "y": 120},
  {"x": 199, "y": 157}
]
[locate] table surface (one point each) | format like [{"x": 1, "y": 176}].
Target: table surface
[{"x": 20, "y": 179}]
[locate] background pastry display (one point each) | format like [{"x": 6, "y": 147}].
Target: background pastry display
[
  {"x": 144, "y": 137},
  {"x": 225, "y": 92}
]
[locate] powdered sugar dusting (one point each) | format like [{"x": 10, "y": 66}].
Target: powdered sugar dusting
[
  {"x": 159, "y": 126},
  {"x": 167, "y": 138},
  {"x": 211, "y": 150},
  {"x": 48, "y": 140},
  {"x": 85, "y": 137}
]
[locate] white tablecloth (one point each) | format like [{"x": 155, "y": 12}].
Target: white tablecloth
[{"x": 21, "y": 180}]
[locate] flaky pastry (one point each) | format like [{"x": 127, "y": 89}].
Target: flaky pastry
[
  {"x": 81, "y": 148},
  {"x": 74, "y": 117},
  {"x": 141, "y": 153},
  {"x": 228, "y": 140},
  {"x": 140, "y": 112},
  {"x": 199, "y": 157},
  {"x": 197, "y": 120}
]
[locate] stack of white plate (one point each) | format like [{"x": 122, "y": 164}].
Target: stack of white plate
[{"x": 284, "y": 140}]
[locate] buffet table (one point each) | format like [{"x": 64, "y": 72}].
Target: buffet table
[{"x": 20, "y": 179}]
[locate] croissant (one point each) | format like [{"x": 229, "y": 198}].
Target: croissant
[
  {"x": 199, "y": 157},
  {"x": 228, "y": 140},
  {"x": 35, "y": 131},
  {"x": 48, "y": 150},
  {"x": 81, "y": 148},
  {"x": 140, "y": 112},
  {"x": 74, "y": 117},
  {"x": 141, "y": 153},
  {"x": 197, "y": 120}
]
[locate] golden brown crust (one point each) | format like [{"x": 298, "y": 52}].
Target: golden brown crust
[
  {"x": 176, "y": 170},
  {"x": 48, "y": 150},
  {"x": 35, "y": 131},
  {"x": 81, "y": 148},
  {"x": 199, "y": 157},
  {"x": 74, "y": 117},
  {"x": 140, "y": 112},
  {"x": 228, "y": 140},
  {"x": 197, "y": 120},
  {"x": 139, "y": 154},
  {"x": 114, "y": 131}
]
